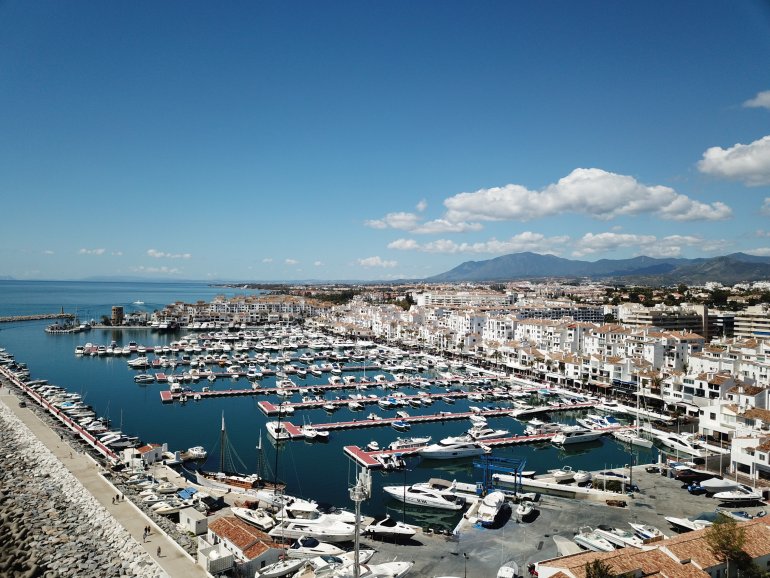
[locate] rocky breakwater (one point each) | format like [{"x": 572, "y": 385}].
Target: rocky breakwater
[{"x": 50, "y": 525}]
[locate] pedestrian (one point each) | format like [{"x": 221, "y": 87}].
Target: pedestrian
[
  {"x": 117, "y": 498},
  {"x": 158, "y": 551},
  {"x": 113, "y": 500},
  {"x": 144, "y": 535}
]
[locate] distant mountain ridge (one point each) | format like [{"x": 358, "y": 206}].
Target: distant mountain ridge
[{"x": 727, "y": 269}]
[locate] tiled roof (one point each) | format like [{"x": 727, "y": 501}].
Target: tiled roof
[{"x": 251, "y": 541}]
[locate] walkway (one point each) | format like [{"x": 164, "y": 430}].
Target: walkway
[{"x": 173, "y": 560}]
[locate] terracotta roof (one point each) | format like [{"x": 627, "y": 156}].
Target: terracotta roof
[
  {"x": 147, "y": 448},
  {"x": 747, "y": 389},
  {"x": 251, "y": 541}
]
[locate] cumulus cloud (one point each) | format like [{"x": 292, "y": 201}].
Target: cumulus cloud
[
  {"x": 748, "y": 163},
  {"x": 92, "y": 251},
  {"x": 48, "y": 252},
  {"x": 290, "y": 261},
  {"x": 526, "y": 241},
  {"x": 163, "y": 255},
  {"x": 762, "y": 100},
  {"x": 759, "y": 252},
  {"x": 318, "y": 263},
  {"x": 765, "y": 209},
  {"x": 267, "y": 260},
  {"x": 414, "y": 224},
  {"x": 376, "y": 262},
  {"x": 422, "y": 205},
  {"x": 594, "y": 192},
  {"x": 650, "y": 245}
]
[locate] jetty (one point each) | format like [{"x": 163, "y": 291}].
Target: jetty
[{"x": 37, "y": 317}]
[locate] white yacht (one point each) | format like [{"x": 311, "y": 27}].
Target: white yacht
[
  {"x": 387, "y": 526},
  {"x": 741, "y": 494},
  {"x": 619, "y": 536},
  {"x": 575, "y": 435},
  {"x": 258, "y": 517},
  {"x": 409, "y": 443},
  {"x": 277, "y": 430},
  {"x": 489, "y": 508},
  {"x": 587, "y": 538},
  {"x": 485, "y": 433},
  {"x": 448, "y": 451},
  {"x": 682, "y": 444},
  {"x": 323, "y": 528},
  {"x": 563, "y": 474},
  {"x": 423, "y": 494},
  {"x": 307, "y": 547}
]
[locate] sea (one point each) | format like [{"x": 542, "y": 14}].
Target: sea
[{"x": 320, "y": 471}]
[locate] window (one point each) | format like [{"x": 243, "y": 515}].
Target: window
[{"x": 712, "y": 415}]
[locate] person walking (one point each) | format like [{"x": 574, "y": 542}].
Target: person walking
[{"x": 158, "y": 551}]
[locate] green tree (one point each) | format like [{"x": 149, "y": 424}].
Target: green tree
[
  {"x": 598, "y": 569},
  {"x": 725, "y": 539}
]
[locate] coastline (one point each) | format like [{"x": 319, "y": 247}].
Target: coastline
[{"x": 58, "y": 509}]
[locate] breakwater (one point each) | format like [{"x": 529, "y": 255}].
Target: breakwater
[
  {"x": 15, "y": 318},
  {"x": 50, "y": 524}
]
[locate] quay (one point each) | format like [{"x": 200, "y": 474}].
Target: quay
[
  {"x": 369, "y": 459},
  {"x": 38, "y": 317}
]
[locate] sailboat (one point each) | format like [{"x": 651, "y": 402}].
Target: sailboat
[
  {"x": 226, "y": 479},
  {"x": 632, "y": 436}
]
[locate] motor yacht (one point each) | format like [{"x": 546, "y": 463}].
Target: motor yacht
[
  {"x": 739, "y": 495},
  {"x": 446, "y": 451},
  {"x": 259, "y": 517},
  {"x": 587, "y": 538},
  {"x": 575, "y": 434},
  {"x": 563, "y": 474},
  {"x": 423, "y": 494},
  {"x": 646, "y": 532},
  {"x": 682, "y": 444},
  {"x": 323, "y": 528},
  {"x": 412, "y": 443},
  {"x": 387, "y": 526},
  {"x": 308, "y": 547},
  {"x": 277, "y": 430},
  {"x": 619, "y": 537},
  {"x": 490, "y": 507}
]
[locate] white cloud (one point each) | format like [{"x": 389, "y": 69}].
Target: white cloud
[
  {"x": 762, "y": 100},
  {"x": 765, "y": 209},
  {"x": 267, "y": 260},
  {"x": 48, "y": 252},
  {"x": 595, "y": 192},
  {"x": 290, "y": 261},
  {"x": 162, "y": 255},
  {"x": 526, "y": 241},
  {"x": 414, "y": 224},
  {"x": 760, "y": 252},
  {"x": 117, "y": 253},
  {"x": 92, "y": 251},
  {"x": 376, "y": 262},
  {"x": 318, "y": 263},
  {"x": 748, "y": 163},
  {"x": 422, "y": 205},
  {"x": 650, "y": 245}
]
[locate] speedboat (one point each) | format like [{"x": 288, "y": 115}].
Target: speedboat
[
  {"x": 484, "y": 433},
  {"x": 741, "y": 494},
  {"x": 582, "y": 476},
  {"x": 447, "y": 451},
  {"x": 308, "y": 547},
  {"x": 384, "y": 570},
  {"x": 311, "y": 433},
  {"x": 562, "y": 474},
  {"x": 490, "y": 507},
  {"x": 423, "y": 494},
  {"x": 619, "y": 536},
  {"x": 703, "y": 520},
  {"x": 258, "y": 517},
  {"x": 525, "y": 509},
  {"x": 610, "y": 476},
  {"x": 587, "y": 538},
  {"x": 280, "y": 568},
  {"x": 400, "y": 425},
  {"x": 646, "y": 532},
  {"x": 197, "y": 453},
  {"x": 387, "y": 526},
  {"x": 682, "y": 444}
]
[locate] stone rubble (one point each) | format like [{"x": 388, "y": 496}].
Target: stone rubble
[{"x": 50, "y": 525}]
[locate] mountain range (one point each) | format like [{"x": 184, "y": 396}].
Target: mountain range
[{"x": 727, "y": 269}]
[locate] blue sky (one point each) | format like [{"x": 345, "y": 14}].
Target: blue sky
[{"x": 377, "y": 140}]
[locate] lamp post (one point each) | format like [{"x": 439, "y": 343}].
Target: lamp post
[{"x": 465, "y": 565}]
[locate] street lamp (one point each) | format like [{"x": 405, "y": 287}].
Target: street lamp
[{"x": 465, "y": 565}]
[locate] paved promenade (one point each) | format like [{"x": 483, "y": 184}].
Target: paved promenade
[{"x": 173, "y": 560}]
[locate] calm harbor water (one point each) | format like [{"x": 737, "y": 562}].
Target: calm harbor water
[{"x": 316, "y": 470}]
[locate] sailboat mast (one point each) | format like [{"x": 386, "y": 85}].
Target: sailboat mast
[{"x": 222, "y": 445}]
